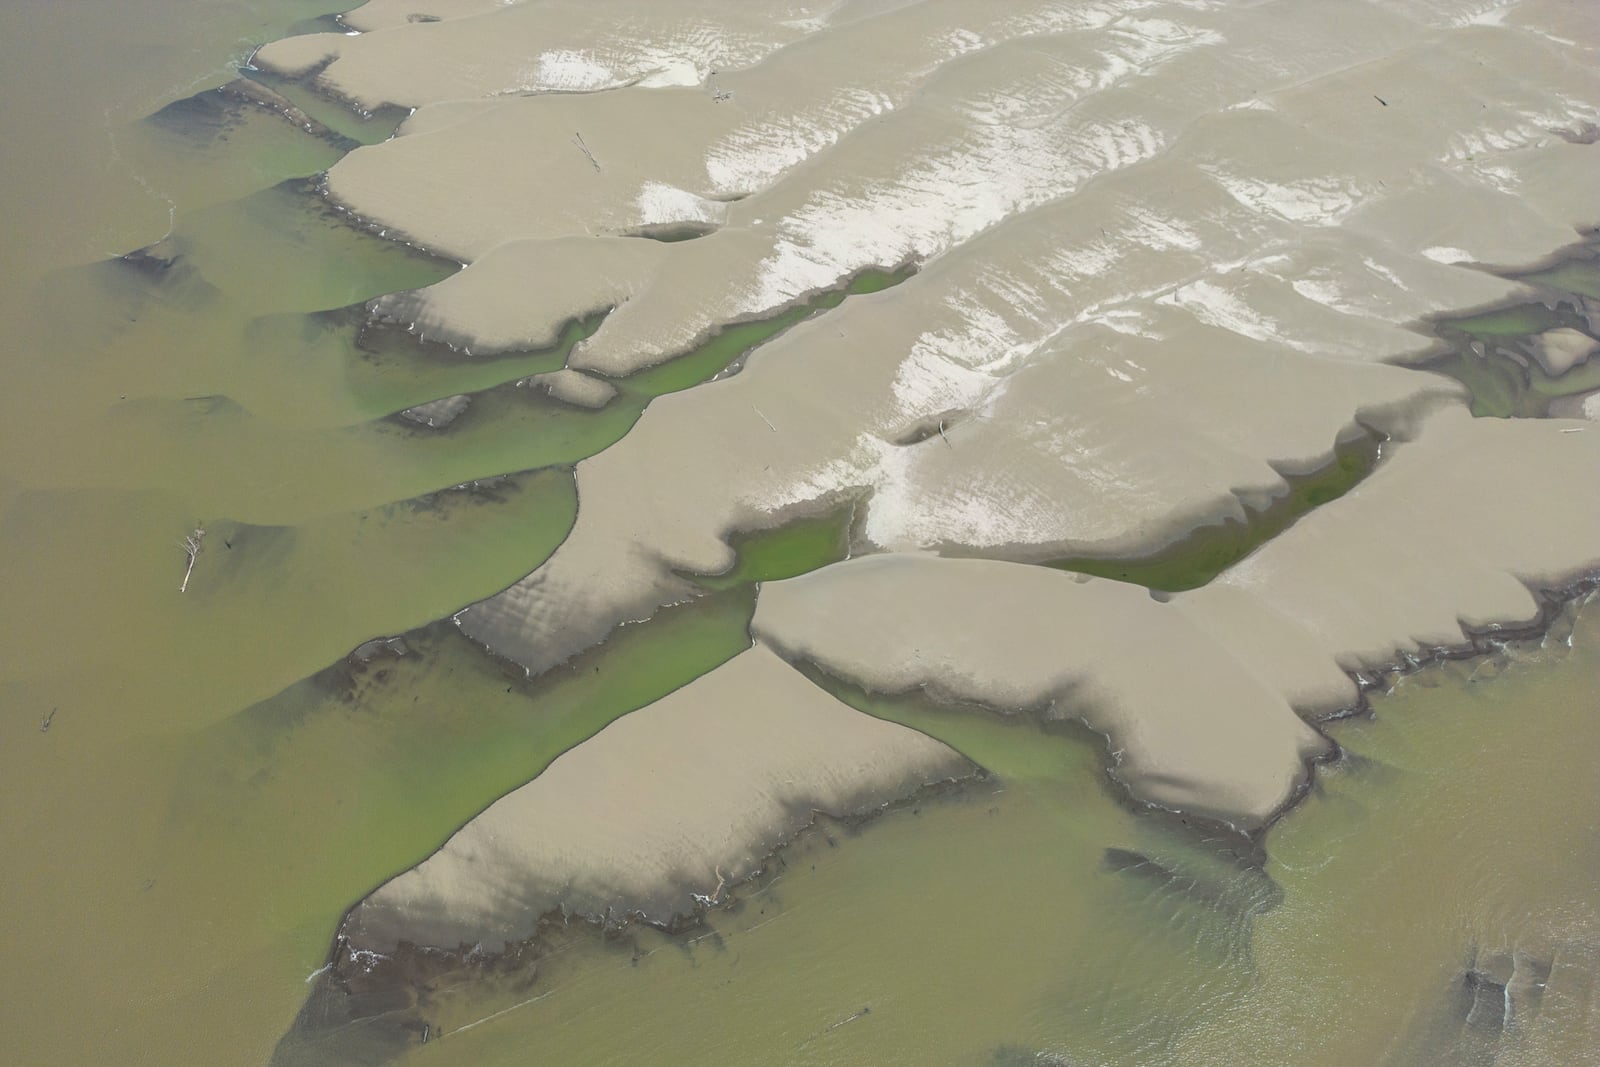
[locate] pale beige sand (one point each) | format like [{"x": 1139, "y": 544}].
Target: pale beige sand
[
  {"x": 1190, "y": 725},
  {"x": 1558, "y": 351},
  {"x": 1103, "y": 442},
  {"x": 1452, "y": 533},
  {"x": 546, "y": 285},
  {"x": 1199, "y": 694},
  {"x": 549, "y": 46},
  {"x": 1168, "y": 253},
  {"x": 1201, "y": 134},
  {"x": 692, "y": 792},
  {"x": 1162, "y": 284},
  {"x": 573, "y": 387}
]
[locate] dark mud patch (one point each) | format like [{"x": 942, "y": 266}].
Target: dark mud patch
[
  {"x": 164, "y": 272},
  {"x": 1500, "y": 1003},
  {"x": 437, "y": 414},
  {"x": 672, "y": 233},
  {"x": 352, "y": 126}
]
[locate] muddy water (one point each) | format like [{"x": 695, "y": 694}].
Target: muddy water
[
  {"x": 193, "y": 796},
  {"x": 212, "y": 384}
]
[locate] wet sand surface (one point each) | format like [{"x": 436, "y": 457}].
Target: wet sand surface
[
  {"x": 1066, "y": 373},
  {"x": 1040, "y": 916}
]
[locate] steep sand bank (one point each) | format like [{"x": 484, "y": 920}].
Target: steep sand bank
[{"x": 1168, "y": 255}]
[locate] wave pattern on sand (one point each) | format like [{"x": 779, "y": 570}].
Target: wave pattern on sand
[{"x": 1167, "y": 252}]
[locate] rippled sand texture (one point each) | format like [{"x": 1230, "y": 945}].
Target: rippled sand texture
[
  {"x": 1167, "y": 254},
  {"x": 1431, "y": 904}
]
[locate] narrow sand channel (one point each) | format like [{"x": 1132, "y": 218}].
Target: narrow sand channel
[{"x": 188, "y": 841}]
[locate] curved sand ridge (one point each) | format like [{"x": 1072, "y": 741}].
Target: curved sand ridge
[{"x": 1166, "y": 252}]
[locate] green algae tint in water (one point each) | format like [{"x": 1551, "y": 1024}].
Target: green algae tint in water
[
  {"x": 166, "y": 903},
  {"x": 1493, "y": 353},
  {"x": 350, "y": 777},
  {"x": 786, "y": 552},
  {"x": 731, "y": 343},
  {"x": 1207, "y": 551},
  {"x": 1037, "y": 913}
]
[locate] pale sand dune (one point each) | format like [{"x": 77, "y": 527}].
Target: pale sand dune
[
  {"x": 546, "y": 284},
  {"x": 1167, "y": 253},
  {"x": 1452, "y": 533},
  {"x": 1278, "y": 226},
  {"x": 695, "y": 790}
]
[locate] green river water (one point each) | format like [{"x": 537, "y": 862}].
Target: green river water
[{"x": 193, "y": 795}]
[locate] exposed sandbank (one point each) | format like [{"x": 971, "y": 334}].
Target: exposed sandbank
[
  {"x": 678, "y": 799},
  {"x": 1203, "y": 696},
  {"x": 1167, "y": 256},
  {"x": 1107, "y": 161}
]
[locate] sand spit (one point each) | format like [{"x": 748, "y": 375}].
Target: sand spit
[
  {"x": 438, "y": 414},
  {"x": 685, "y": 797},
  {"x": 1558, "y": 351}
]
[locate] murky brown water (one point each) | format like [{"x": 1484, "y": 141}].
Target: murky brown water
[{"x": 187, "y": 816}]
